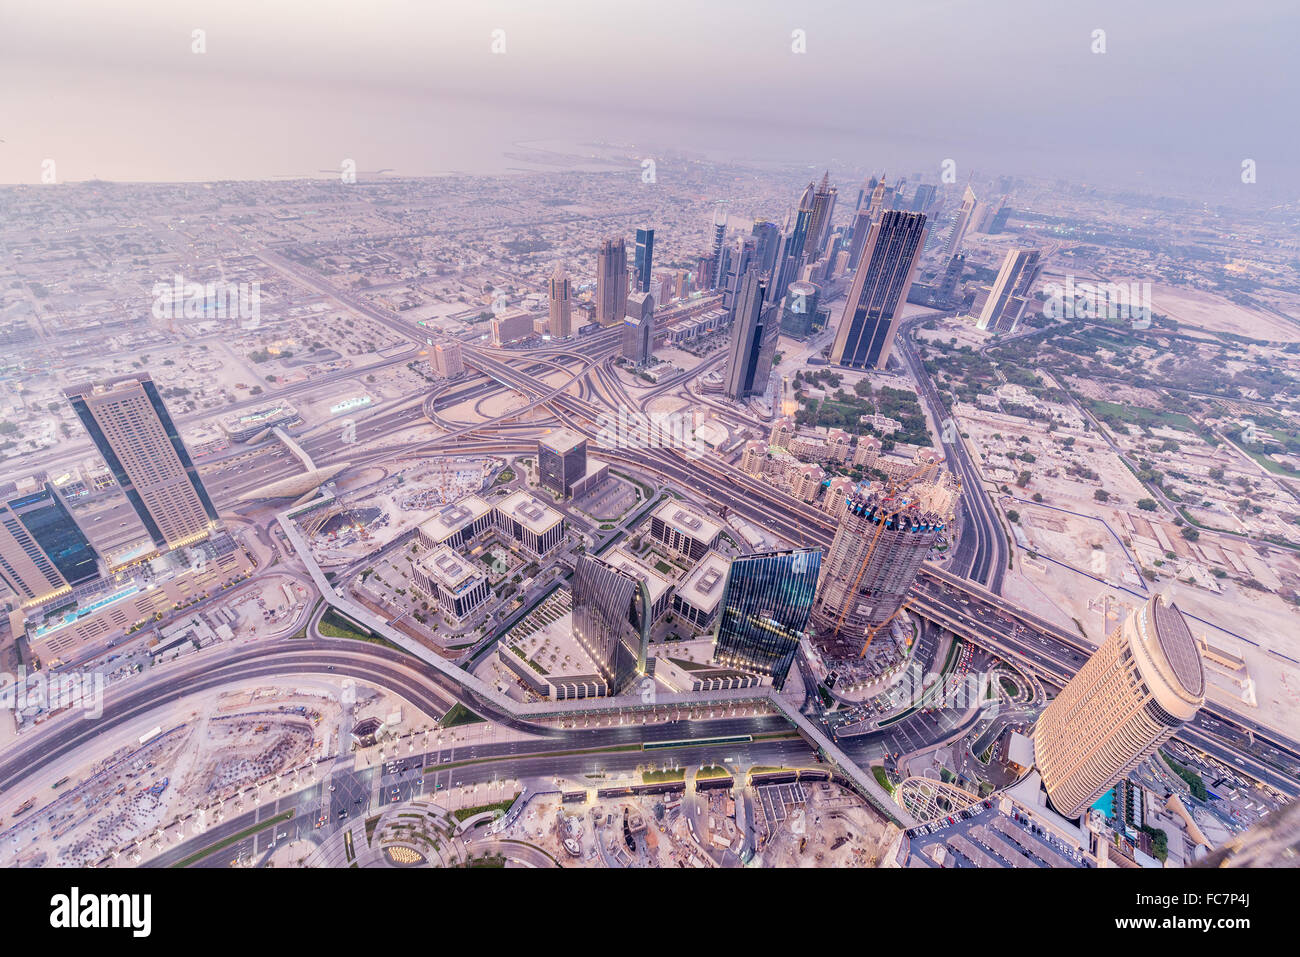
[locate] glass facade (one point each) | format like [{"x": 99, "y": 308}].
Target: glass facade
[
  {"x": 611, "y": 619},
  {"x": 52, "y": 526},
  {"x": 644, "y": 260},
  {"x": 765, "y": 610}
]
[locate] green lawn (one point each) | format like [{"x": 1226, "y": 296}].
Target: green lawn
[{"x": 235, "y": 838}]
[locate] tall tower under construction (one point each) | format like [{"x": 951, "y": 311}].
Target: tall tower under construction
[{"x": 885, "y": 534}]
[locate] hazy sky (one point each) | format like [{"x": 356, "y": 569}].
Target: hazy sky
[{"x": 1185, "y": 91}]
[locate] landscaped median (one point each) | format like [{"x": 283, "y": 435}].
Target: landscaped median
[{"x": 234, "y": 838}]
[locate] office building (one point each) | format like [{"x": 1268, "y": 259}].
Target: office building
[
  {"x": 1010, "y": 293},
  {"x": 447, "y": 360},
  {"x": 739, "y": 260},
  {"x": 611, "y": 619},
  {"x": 561, "y": 460},
  {"x": 455, "y": 583},
  {"x": 136, "y": 437},
  {"x": 455, "y": 524},
  {"x": 885, "y": 534},
  {"x": 767, "y": 245},
  {"x": 819, "y": 224},
  {"x": 753, "y": 340},
  {"x": 1144, "y": 683},
  {"x": 870, "y": 320},
  {"x": 510, "y": 326},
  {"x": 561, "y": 313},
  {"x": 43, "y": 551},
  {"x": 794, "y": 254},
  {"x": 697, "y": 598},
  {"x": 611, "y": 281},
  {"x": 643, "y": 258},
  {"x": 961, "y": 223},
  {"x": 684, "y": 529},
  {"x": 799, "y": 310},
  {"x": 639, "y": 328},
  {"x": 719, "y": 238},
  {"x": 923, "y": 198},
  {"x": 535, "y": 526},
  {"x": 764, "y": 611}
]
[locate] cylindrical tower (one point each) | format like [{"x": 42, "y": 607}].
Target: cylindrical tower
[{"x": 1143, "y": 683}]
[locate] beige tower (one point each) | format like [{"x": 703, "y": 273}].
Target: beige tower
[
  {"x": 139, "y": 441},
  {"x": 1143, "y": 683},
  {"x": 561, "y": 307}
]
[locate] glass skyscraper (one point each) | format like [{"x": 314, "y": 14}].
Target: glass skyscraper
[
  {"x": 765, "y": 609},
  {"x": 644, "y": 258},
  {"x": 43, "y": 551},
  {"x": 611, "y": 619}
]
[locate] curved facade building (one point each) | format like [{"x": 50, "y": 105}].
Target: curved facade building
[
  {"x": 764, "y": 611},
  {"x": 611, "y": 619},
  {"x": 873, "y": 560},
  {"x": 1143, "y": 683}
]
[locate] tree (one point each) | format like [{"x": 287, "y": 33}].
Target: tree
[
  {"x": 1013, "y": 516},
  {"x": 1101, "y": 495},
  {"x": 1190, "y": 533},
  {"x": 1147, "y": 504}
]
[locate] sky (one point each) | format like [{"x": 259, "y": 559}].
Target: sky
[{"x": 1184, "y": 92}]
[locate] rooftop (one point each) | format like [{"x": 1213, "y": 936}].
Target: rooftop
[
  {"x": 449, "y": 570},
  {"x": 529, "y": 512},
  {"x": 704, "y": 586},
  {"x": 688, "y": 520},
  {"x": 452, "y": 518},
  {"x": 561, "y": 441}
]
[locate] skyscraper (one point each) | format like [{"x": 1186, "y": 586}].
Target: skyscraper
[
  {"x": 819, "y": 225},
  {"x": 923, "y": 199},
  {"x": 639, "y": 328},
  {"x": 861, "y": 233},
  {"x": 742, "y": 255},
  {"x": 793, "y": 255},
  {"x": 561, "y": 307},
  {"x": 43, "y": 551},
  {"x": 751, "y": 331},
  {"x": 719, "y": 237},
  {"x": 1006, "y": 302},
  {"x": 643, "y": 258},
  {"x": 611, "y": 281},
  {"x": 1144, "y": 682},
  {"x": 767, "y": 245},
  {"x": 611, "y": 619},
  {"x": 884, "y": 274},
  {"x": 962, "y": 222},
  {"x": 561, "y": 460},
  {"x": 884, "y": 536},
  {"x": 136, "y": 437},
  {"x": 764, "y": 611}
]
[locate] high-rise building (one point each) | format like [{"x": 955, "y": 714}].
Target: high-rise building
[
  {"x": 923, "y": 198},
  {"x": 740, "y": 258},
  {"x": 884, "y": 536},
  {"x": 819, "y": 225},
  {"x": 511, "y": 325},
  {"x": 751, "y": 331},
  {"x": 1144, "y": 682},
  {"x": 611, "y": 619},
  {"x": 719, "y": 238},
  {"x": 561, "y": 305},
  {"x": 948, "y": 285},
  {"x": 793, "y": 254},
  {"x": 639, "y": 328},
  {"x": 861, "y": 233},
  {"x": 800, "y": 309},
  {"x": 43, "y": 551},
  {"x": 764, "y": 611},
  {"x": 611, "y": 281},
  {"x": 136, "y": 437},
  {"x": 1006, "y": 302},
  {"x": 643, "y": 257},
  {"x": 561, "y": 460},
  {"x": 999, "y": 223},
  {"x": 767, "y": 245},
  {"x": 880, "y": 284},
  {"x": 962, "y": 222},
  {"x": 447, "y": 360}
]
